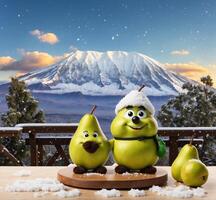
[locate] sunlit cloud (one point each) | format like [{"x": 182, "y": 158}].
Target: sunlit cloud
[
  {"x": 190, "y": 70},
  {"x": 6, "y": 60},
  {"x": 186, "y": 67},
  {"x": 50, "y": 38},
  {"x": 32, "y": 60},
  {"x": 181, "y": 52}
]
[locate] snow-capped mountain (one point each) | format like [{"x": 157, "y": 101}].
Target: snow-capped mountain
[{"x": 105, "y": 73}]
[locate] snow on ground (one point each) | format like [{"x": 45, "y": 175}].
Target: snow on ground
[
  {"x": 194, "y": 129},
  {"x": 66, "y": 194},
  {"x": 93, "y": 174},
  {"x": 91, "y": 88},
  {"x": 71, "y": 165},
  {"x": 109, "y": 193},
  {"x": 41, "y": 187},
  {"x": 132, "y": 174},
  {"x": 23, "y": 172},
  {"x": 180, "y": 191},
  {"x": 136, "y": 193},
  {"x": 10, "y": 129},
  {"x": 36, "y": 185},
  {"x": 45, "y": 124}
]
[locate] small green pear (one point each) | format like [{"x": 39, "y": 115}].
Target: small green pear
[
  {"x": 187, "y": 152},
  {"x": 194, "y": 173},
  {"x": 89, "y": 147}
]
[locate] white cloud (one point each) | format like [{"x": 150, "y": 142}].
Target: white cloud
[{"x": 181, "y": 52}]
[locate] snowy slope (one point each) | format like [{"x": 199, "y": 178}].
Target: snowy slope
[{"x": 105, "y": 73}]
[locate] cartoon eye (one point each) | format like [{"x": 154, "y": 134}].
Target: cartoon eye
[
  {"x": 129, "y": 114},
  {"x": 85, "y": 134},
  {"x": 141, "y": 114},
  {"x": 95, "y": 134}
]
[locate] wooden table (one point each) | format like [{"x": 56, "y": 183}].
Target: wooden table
[{"x": 7, "y": 177}]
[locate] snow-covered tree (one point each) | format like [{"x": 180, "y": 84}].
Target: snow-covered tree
[
  {"x": 195, "y": 107},
  {"x": 22, "y": 108}
]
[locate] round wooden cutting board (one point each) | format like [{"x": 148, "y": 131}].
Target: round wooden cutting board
[{"x": 111, "y": 180}]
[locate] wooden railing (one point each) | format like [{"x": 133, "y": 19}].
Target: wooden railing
[
  {"x": 10, "y": 132},
  {"x": 174, "y": 138},
  {"x": 178, "y": 136},
  {"x": 36, "y": 143}
]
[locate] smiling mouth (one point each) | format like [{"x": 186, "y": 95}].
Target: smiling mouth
[{"x": 137, "y": 128}]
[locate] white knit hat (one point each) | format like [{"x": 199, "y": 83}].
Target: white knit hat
[{"x": 135, "y": 98}]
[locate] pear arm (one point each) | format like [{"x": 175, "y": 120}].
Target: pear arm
[{"x": 161, "y": 147}]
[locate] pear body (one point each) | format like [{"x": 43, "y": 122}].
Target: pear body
[
  {"x": 194, "y": 173},
  {"x": 89, "y": 146},
  {"x": 186, "y": 153},
  {"x": 134, "y": 154}
]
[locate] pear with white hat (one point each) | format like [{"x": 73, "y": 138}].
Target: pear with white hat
[{"x": 135, "y": 144}]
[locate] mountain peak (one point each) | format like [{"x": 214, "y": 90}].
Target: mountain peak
[{"x": 107, "y": 73}]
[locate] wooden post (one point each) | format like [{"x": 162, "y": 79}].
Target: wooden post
[
  {"x": 33, "y": 149},
  {"x": 40, "y": 154},
  {"x": 52, "y": 160},
  {"x": 62, "y": 154},
  {"x": 173, "y": 148}
]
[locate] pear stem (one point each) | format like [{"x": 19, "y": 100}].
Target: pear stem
[
  {"x": 93, "y": 109},
  {"x": 192, "y": 137},
  {"x": 141, "y": 88}
]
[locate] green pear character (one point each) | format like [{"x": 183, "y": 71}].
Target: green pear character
[
  {"x": 187, "y": 152},
  {"x": 194, "y": 173},
  {"x": 89, "y": 148},
  {"x": 135, "y": 144}
]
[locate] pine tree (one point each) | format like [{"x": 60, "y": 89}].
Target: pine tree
[
  {"x": 195, "y": 107},
  {"x": 22, "y": 108}
]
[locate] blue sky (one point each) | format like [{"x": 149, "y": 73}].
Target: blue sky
[{"x": 181, "y": 34}]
